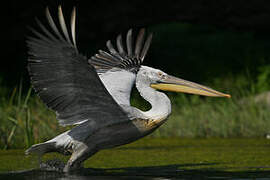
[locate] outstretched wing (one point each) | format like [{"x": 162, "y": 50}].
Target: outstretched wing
[
  {"x": 117, "y": 68},
  {"x": 129, "y": 59},
  {"x": 65, "y": 81}
]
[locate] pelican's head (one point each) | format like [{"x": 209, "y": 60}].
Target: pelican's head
[{"x": 160, "y": 80}]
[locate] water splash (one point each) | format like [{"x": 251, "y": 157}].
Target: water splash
[{"x": 52, "y": 165}]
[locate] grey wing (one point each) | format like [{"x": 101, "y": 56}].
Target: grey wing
[
  {"x": 122, "y": 60},
  {"x": 117, "y": 68},
  {"x": 66, "y": 82}
]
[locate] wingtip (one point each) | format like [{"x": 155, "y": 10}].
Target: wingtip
[
  {"x": 59, "y": 8},
  {"x": 74, "y": 8},
  {"x": 119, "y": 37},
  {"x": 110, "y": 47},
  {"x": 73, "y": 13},
  {"x": 129, "y": 42},
  {"x": 119, "y": 43},
  {"x": 60, "y": 12},
  {"x": 108, "y": 42},
  {"x": 47, "y": 12},
  {"x": 146, "y": 46},
  {"x": 63, "y": 23},
  {"x": 47, "y": 9},
  {"x": 129, "y": 33},
  {"x": 73, "y": 24},
  {"x": 142, "y": 31},
  {"x": 139, "y": 41}
]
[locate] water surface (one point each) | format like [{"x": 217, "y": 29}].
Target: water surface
[{"x": 153, "y": 159}]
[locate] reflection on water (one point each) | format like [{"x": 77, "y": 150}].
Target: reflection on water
[
  {"x": 140, "y": 173},
  {"x": 44, "y": 175}
]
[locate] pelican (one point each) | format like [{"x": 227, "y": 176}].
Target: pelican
[{"x": 93, "y": 95}]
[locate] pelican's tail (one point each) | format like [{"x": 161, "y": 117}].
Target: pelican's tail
[{"x": 41, "y": 148}]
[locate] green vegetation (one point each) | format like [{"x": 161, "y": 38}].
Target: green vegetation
[
  {"x": 158, "y": 156},
  {"x": 232, "y": 62},
  {"x": 25, "y": 120},
  {"x": 195, "y": 116}
]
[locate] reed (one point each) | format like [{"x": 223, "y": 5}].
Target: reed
[{"x": 25, "y": 120}]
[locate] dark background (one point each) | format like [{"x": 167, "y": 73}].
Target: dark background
[{"x": 100, "y": 20}]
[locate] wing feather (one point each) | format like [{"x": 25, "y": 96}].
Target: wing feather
[
  {"x": 119, "y": 43},
  {"x": 110, "y": 47},
  {"x": 73, "y": 24},
  {"x": 146, "y": 47},
  {"x": 129, "y": 43},
  {"x": 66, "y": 82},
  {"x": 130, "y": 61},
  {"x": 139, "y": 42},
  {"x": 63, "y": 23},
  {"x": 52, "y": 24}
]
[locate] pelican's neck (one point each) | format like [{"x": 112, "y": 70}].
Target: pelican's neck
[{"x": 161, "y": 104}]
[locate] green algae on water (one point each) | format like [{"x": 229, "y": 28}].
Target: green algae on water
[{"x": 230, "y": 155}]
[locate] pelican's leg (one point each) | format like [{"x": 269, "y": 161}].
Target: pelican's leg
[{"x": 78, "y": 156}]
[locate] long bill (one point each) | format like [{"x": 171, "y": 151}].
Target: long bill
[{"x": 170, "y": 83}]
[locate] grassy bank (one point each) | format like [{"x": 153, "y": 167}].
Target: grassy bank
[{"x": 25, "y": 120}]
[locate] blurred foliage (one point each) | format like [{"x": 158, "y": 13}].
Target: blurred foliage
[
  {"x": 263, "y": 79},
  {"x": 196, "y": 116},
  {"x": 232, "y": 62},
  {"x": 24, "y": 119},
  {"x": 201, "y": 53}
]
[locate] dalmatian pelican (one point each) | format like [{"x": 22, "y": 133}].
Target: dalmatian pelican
[{"x": 93, "y": 94}]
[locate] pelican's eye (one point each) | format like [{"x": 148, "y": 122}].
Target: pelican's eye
[{"x": 161, "y": 75}]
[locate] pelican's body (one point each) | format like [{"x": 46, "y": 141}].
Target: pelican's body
[{"x": 95, "y": 95}]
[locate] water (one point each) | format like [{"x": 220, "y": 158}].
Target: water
[
  {"x": 143, "y": 173},
  {"x": 154, "y": 159}
]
